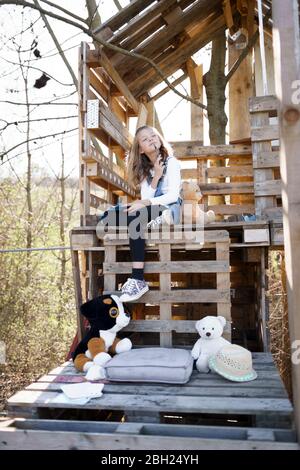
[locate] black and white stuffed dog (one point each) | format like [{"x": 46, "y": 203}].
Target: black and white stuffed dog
[{"x": 107, "y": 317}]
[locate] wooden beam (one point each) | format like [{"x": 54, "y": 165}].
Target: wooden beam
[
  {"x": 227, "y": 13},
  {"x": 261, "y": 104},
  {"x": 251, "y": 17},
  {"x": 183, "y": 295},
  {"x": 241, "y": 88},
  {"x": 195, "y": 73},
  {"x": 98, "y": 173},
  {"x": 142, "y": 117},
  {"x": 97, "y": 84},
  {"x": 152, "y": 117},
  {"x": 286, "y": 61},
  {"x": 227, "y": 188},
  {"x": 100, "y": 117},
  {"x": 112, "y": 72},
  {"x": 195, "y": 149}
]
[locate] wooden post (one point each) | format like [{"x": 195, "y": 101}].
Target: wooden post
[
  {"x": 223, "y": 282},
  {"x": 263, "y": 311},
  {"x": 241, "y": 88},
  {"x": 152, "y": 117},
  {"x": 165, "y": 309},
  {"x": 286, "y": 62},
  {"x": 84, "y": 137},
  {"x": 195, "y": 76},
  {"x": 78, "y": 289},
  {"x": 110, "y": 257}
]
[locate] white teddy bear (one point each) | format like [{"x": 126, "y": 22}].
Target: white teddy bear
[{"x": 210, "y": 342}]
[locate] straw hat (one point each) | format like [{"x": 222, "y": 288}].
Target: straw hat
[{"x": 234, "y": 363}]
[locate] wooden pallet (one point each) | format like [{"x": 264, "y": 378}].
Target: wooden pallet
[
  {"x": 259, "y": 410},
  {"x": 32, "y": 434},
  {"x": 165, "y": 292},
  {"x": 239, "y": 231},
  {"x": 264, "y": 134}
]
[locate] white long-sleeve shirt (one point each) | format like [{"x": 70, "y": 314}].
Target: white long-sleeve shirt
[{"x": 170, "y": 187}]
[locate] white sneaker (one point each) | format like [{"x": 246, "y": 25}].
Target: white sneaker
[
  {"x": 165, "y": 218},
  {"x": 133, "y": 289}
]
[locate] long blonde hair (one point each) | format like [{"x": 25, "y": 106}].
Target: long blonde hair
[{"x": 139, "y": 164}]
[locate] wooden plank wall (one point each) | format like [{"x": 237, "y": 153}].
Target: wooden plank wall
[
  {"x": 264, "y": 137},
  {"x": 202, "y": 173}
]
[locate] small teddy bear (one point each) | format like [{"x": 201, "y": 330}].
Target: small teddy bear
[
  {"x": 210, "y": 329},
  {"x": 192, "y": 212}
]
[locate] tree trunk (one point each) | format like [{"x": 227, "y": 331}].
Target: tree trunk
[
  {"x": 63, "y": 259},
  {"x": 28, "y": 187},
  {"x": 94, "y": 20},
  {"x": 215, "y": 83}
]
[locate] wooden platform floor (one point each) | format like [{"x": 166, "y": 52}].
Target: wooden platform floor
[
  {"x": 258, "y": 410},
  {"x": 204, "y": 393}
]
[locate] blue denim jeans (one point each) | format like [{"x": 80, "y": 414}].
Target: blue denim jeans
[{"x": 175, "y": 207}]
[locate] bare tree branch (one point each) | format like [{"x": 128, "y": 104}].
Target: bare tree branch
[
  {"x": 7, "y": 124},
  {"x": 39, "y": 70},
  {"x": 118, "y": 5},
  {"x": 51, "y": 32},
  {"x": 45, "y": 56},
  {"x": 52, "y": 101},
  {"x": 2, "y": 155},
  {"x": 35, "y": 149},
  {"x": 67, "y": 12},
  {"x": 37, "y": 104},
  {"x": 13, "y": 37},
  {"x": 94, "y": 18}
]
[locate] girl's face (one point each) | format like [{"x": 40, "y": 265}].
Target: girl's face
[{"x": 148, "y": 141}]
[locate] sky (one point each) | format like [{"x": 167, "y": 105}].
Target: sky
[{"x": 46, "y": 154}]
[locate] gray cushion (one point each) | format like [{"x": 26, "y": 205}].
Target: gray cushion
[{"x": 151, "y": 365}]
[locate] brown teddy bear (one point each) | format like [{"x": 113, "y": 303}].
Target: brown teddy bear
[{"x": 192, "y": 212}]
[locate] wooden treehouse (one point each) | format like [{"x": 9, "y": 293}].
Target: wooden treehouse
[{"x": 224, "y": 275}]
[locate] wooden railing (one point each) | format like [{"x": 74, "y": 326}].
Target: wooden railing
[{"x": 236, "y": 163}]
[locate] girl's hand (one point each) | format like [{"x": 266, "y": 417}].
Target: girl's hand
[
  {"x": 134, "y": 206},
  {"x": 158, "y": 167}
]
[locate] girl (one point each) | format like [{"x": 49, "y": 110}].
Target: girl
[{"x": 152, "y": 166}]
